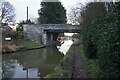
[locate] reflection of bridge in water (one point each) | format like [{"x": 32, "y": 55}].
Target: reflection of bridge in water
[{"x": 47, "y": 33}]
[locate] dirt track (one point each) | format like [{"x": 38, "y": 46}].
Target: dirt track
[{"x": 78, "y": 66}]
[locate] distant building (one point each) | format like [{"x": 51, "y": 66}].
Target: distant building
[{"x": 6, "y": 31}]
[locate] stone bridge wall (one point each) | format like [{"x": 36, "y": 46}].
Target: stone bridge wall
[
  {"x": 36, "y": 32},
  {"x": 33, "y": 32}
]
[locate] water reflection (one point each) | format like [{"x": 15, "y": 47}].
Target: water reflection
[
  {"x": 24, "y": 64},
  {"x": 12, "y": 69},
  {"x": 8, "y": 68},
  {"x": 33, "y": 63},
  {"x": 65, "y": 47}
]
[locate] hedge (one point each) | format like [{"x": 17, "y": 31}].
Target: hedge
[{"x": 103, "y": 41}]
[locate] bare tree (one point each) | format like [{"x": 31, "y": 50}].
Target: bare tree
[
  {"x": 74, "y": 16},
  {"x": 7, "y": 12},
  {"x": 33, "y": 19}
]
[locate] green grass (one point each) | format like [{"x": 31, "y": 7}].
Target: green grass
[
  {"x": 28, "y": 44},
  {"x": 0, "y": 31},
  {"x": 91, "y": 65},
  {"x": 75, "y": 40},
  {"x": 64, "y": 69}
]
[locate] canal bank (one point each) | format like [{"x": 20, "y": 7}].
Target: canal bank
[
  {"x": 20, "y": 45},
  {"x": 64, "y": 69},
  {"x": 91, "y": 65},
  {"x": 23, "y": 45},
  {"x": 71, "y": 66}
]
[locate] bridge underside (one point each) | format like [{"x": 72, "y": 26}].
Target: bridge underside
[
  {"x": 62, "y": 31},
  {"x": 51, "y": 35},
  {"x": 49, "y": 38}
]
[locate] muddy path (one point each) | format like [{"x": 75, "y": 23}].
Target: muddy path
[{"x": 79, "y": 70}]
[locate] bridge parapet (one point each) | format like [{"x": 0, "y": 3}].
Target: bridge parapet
[
  {"x": 59, "y": 26},
  {"x": 55, "y": 26}
]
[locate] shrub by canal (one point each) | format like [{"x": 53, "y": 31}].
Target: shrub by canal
[{"x": 91, "y": 65}]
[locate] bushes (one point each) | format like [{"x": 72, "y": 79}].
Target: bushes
[
  {"x": 101, "y": 37},
  {"x": 89, "y": 14},
  {"x": 106, "y": 37},
  {"x": 104, "y": 42},
  {"x": 88, "y": 44},
  {"x": 16, "y": 35}
]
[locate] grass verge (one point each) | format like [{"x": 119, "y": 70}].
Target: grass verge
[
  {"x": 91, "y": 65},
  {"x": 20, "y": 45},
  {"x": 28, "y": 44},
  {"x": 64, "y": 69}
]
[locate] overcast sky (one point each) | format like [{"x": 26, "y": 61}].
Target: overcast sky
[{"x": 34, "y": 5}]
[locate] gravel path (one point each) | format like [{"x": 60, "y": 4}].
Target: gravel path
[{"x": 78, "y": 66}]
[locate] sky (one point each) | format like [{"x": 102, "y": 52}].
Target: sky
[{"x": 21, "y": 7}]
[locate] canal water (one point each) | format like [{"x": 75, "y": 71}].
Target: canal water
[{"x": 33, "y": 63}]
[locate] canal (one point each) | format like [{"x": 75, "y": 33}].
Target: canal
[{"x": 33, "y": 63}]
